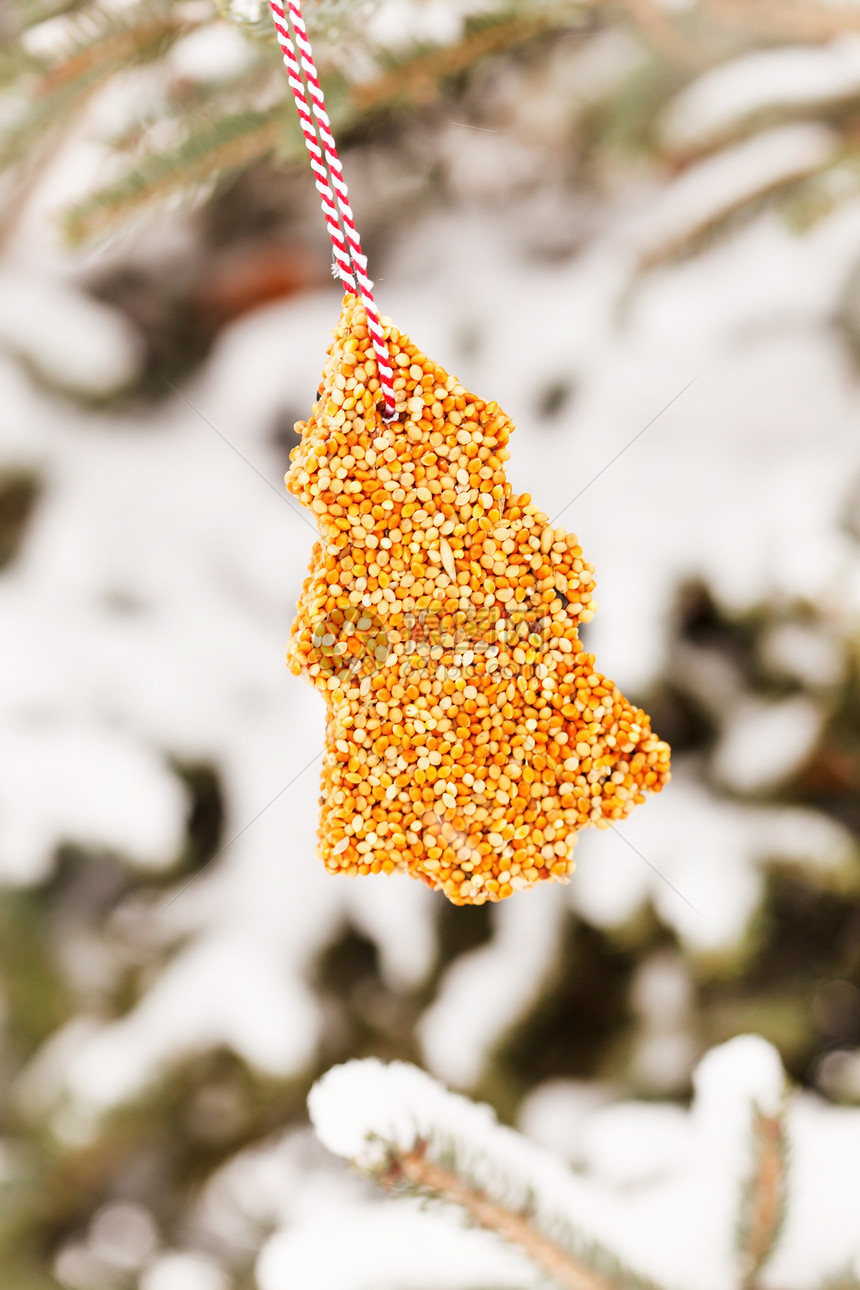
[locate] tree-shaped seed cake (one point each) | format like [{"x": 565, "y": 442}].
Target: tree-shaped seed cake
[{"x": 469, "y": 736}]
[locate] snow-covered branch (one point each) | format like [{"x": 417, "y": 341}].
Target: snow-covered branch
[
  {"x": 414, "y": 1136},
  {"x": 712, "y": 1215}
]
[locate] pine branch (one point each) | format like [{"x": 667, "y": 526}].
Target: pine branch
[
  {"x": 182, "y": 175},
  {"x": 106, "y": 42},
  {"x": 764, "y": 1198},
  {"x": 570, "y": 1262},
  {"x": 100, "y": 45},
  {"x": 415, "y": 1137},
  {"x": 419, "y": 76}
]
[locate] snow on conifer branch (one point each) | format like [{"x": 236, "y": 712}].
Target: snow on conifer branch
[{"x": 398, "y": 1124}]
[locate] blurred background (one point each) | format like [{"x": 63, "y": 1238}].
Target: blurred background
[{"x": 637, "y": 227}]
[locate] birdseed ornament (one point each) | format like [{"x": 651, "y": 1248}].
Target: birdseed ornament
[{"x": 469, "y": 736}]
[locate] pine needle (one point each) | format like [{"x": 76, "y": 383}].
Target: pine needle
[{"x": 183, "y": 175}]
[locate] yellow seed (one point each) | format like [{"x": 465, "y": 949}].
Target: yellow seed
[{"x": 448, "y": 560}]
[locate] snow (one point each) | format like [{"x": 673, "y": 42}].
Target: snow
[
  {"x": 123, "y": 1235},
  {"x": 664, "y": 1050},
  {"x": 72, "y": 341},
  {"x": 247, "y": 10},
  {"x": 662, "y": 992},
  {"x": 597, "y": 66},
  {"x": 46, "y": 795},
  {"x": 215, "y": 52},
  {"x": 838, "y": 1074},
  {"x": 120, "y": 1242},
  {"x": 222, "y": 991},
  {"x": 746, "y": 1068},
  {"x": 723, "y": 98},
  {"x": 363, "y": 1107},
  {"x": 662, "y": 1060},
  {"x": 556, "y": 1113},
  {"x": 704, "y": 873},
  {"x": 621, "y": 1147},
  {"x": 394, "y": 915},
  {"x": 373, "y": 1248},
  {"x": 487, "y": 166},
  {"x": 282, "y": 1182},
  {"x": 486, "y": 991},
  {"x": 75, "y": 1267},
  {"x": 765, "y": 742},
  {"x": 705, "y": 193},
  {"x": 397, "y": 24},
  {"x": 813, "y": 657},
  {"x": 49, "y": 39},
  {"x": 183, "y": 1272},
  {"x": 144, "y": 619},
  {"x": 821, "y": 1238}
]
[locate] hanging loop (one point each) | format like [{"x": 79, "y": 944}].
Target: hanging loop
[{"x": 349, "y": 258}]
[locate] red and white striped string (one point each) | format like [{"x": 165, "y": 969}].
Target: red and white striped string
[{"x": 331, "y": 185}]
